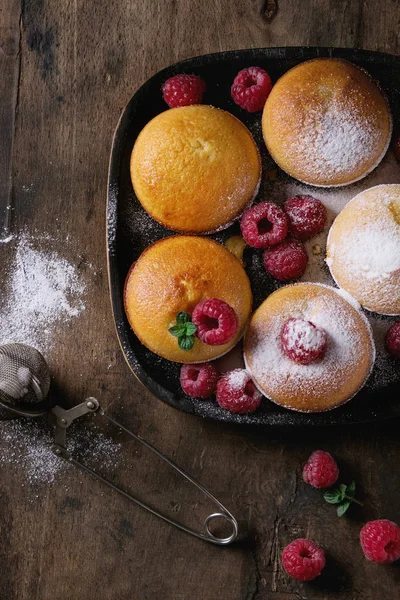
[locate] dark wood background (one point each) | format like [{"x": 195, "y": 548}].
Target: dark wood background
[{"x": 67, "y": 69}]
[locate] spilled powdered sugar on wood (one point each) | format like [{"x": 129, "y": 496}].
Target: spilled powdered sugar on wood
[
  {"x": 27, "y": 445},
  {"x": 44, "y": 292}
]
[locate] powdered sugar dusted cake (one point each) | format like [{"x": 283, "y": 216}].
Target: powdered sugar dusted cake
[
  {"x": 326, "y": 122},
  {"x": 337, "y": 369},
  {"x": 363, "y": 250}
]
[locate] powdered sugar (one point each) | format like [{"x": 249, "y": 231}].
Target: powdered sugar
[
  {"x": 237, "y": 379},
  {"x": 27, "y": 444},
  {"x": 299, "y": 331},
  {"x": 340, "y": 142},
  {"x": 43, "y": 289}
]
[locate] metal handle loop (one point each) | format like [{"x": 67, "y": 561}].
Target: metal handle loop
[{"x": 231, "y": 520}]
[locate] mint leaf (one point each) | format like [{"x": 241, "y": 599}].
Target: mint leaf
[
  {"x": 182, "y": 317},
  {"x": 333, "y": 496},
  {"x": 343, "y": 488},
  {"x": 342, "y": 508},
  {"x": 351, "y": 489},
  {"x": 186, "y": 342},
  {"x": 191, "y": 328},
  {"x": 177, "y": 330}
]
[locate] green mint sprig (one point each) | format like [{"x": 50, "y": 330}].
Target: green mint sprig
[
  {"x": 184, "y": 330},
  {"x": 343, "y": 496}
]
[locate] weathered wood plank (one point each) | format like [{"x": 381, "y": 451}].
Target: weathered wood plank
[{"x": 79, "y": 63}]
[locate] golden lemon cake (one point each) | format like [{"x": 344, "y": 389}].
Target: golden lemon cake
[
  {"x": 363, "y": 249},
  {"x": 195, "y": 168},
  {"x": 274, "y": 338},
  {"x": 175, "y": 274},
  {"x": 326, "y": 122}
]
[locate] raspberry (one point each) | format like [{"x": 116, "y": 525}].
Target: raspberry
[
  {"x": 250, "y": 89},
  {"x": 264, "y": 225},
  {"x": 237, "y": 393},
  {"x": 307, "y": 216},
  {"x": 321, "y": 470},
  {"x": 303, "y": 559},
  {"x": 216, "y": 321},
  {"x": 183, "y": 90},
  {"x": 199, "y": 381},
  {"x": 286, "y": 261},
  {"x": 392, "y": 340},
  {"x": 302, "y": 341},
  {"x": 380, "y": 541}
]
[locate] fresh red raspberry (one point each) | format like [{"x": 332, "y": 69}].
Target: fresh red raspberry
[
  {"x": 250, "y": 89},
  {"x": 264, "y": 225},
  {"x": 286, "y": 261},
  {"x": 321, "y": 470},
  {"x": 302, "y": 341},
  {"x": 216, "y": 321},
  {"x": 183, "y": 90},
  {"x": 199, "y": 381},
  {"x": 380, "y": 541},
  {"x": 303, "y": 559},
  {"x": 392, "y": 340},
  {"x": 307, "y": 216},
  {"x": 237, "y": 393}
]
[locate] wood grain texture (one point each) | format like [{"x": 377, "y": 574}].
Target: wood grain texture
[{"x": 68, "y": 68}]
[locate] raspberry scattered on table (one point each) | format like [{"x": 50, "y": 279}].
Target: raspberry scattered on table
[
  {"x": 380, "y": 541},
  {"x": 303, "y": 559},
  {"x": 321, "y": 470}
]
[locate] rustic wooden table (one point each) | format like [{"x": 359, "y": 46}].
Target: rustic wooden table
[{"x": 67, "y": 69}]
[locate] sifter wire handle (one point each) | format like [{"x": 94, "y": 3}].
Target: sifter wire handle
[{"x": 222, "y": 513}]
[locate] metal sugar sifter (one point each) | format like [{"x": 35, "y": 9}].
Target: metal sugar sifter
[{"x": 24, "y": 385}]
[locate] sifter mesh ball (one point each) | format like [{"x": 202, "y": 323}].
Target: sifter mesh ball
[{"x": 24, "y": 375}]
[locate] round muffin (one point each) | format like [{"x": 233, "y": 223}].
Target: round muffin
[
  {"x": 174, "y": 275},
  {"x": 195, "y": 168},
  {"x": 363, "y": 249},
  {"x": 326, "y": 382},
  {"x": 326, "y": 122}
]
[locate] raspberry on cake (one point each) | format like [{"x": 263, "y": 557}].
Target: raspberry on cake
[
  {"x": 392, "y": 340},
  {"x": 264, "y": 225},
  {"x": 307, "y": 216},
  {"x": 302, "y": 341},
  {"x": 216, "y": 321},
  {"x": 321, "y": 470},
  {"x": 199, "y": 381},
  {"x": 380, "y": 541},
  {"x": 250, "y": 89},
  {"x": 183, "y": 90},
  {"x": 286, "y": 261},
  {"x": 237, "y": 393},
  {"x": 303, "y": 559}
]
